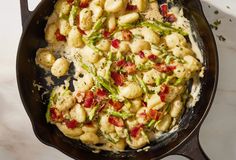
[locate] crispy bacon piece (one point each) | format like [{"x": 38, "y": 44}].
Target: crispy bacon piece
[
  {"x": 143, "y": 114},
  {"x": 101, "y": 94},
  {"x": 164, "y": 91},
  {"x": 131, "y": 7},
  {"x": 118, "y": 122},
  {"x": 164, "y": 9},
  {"x": 71, "y": 124},
  {"x": 141, "y": 54},
  {"x": 121, "y": 63},
  {"x": 170, "y": 18},
  {"x": 59, "y": 36},
  {"x": 55, "y": 114},
  {"x": 70, "y": 1},
  {"x": 89, "y": 99},
  {"x": 130, "y": 68},
  {"x": 164, "y": 68},
  {"x": 106, "y": 34},
  {"x": 154, "y": 114},
  {"x": 115, "y": 43},
  {"x": 89, "y": 124},
  {"x": 152, "y": 57},
  {"x": 84, "y": 3},
  {"x": 101, "y": 107},
  {"x": 136, "y": 131},
  {"x": 127, "y": 35},
  {"x": 79, "y": 97},
  {"x": 118, "y": 78},
  {"x": 116, "y": 105}
]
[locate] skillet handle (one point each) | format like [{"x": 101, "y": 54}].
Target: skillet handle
[
  {"x": 25, "y": 13},
  {"x": 192, "y": 149}
]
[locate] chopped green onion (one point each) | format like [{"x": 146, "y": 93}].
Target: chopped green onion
[
  {"x": 128, "y": 26},
  {"x": 144, "y": 134},
  {"x": 158, "y": 81},
  {"x": 95, "y": 49},
  {"x": 168, "y": 79},
  {"x": 163, "y": 28},
  {"x": 168, "y": 107},
  {"x": 97, "y": 26},
  {"x": 106, "y": 85},
  {"x": 168, "y": 59},
  {"x": 142, "y": 84},
  {"x": 90, "y": 43},
  {"x": 109, "y": 138},
  {"x": 110, "y": 56},
  {"x": 178, "y": 81},
  {"x": 151, "y": 123},
  {"x": 52, "y": 100},
  {"x": 157, "y": 122},
  {"x": 108, "y": 72},
  {"x": 93, "y": 113},
  {"x": 128, "y": 103},
  {"x": 48, "y": 117},
  {"x": 72, "y": 15},
  {"x": 122, "y": 115}
]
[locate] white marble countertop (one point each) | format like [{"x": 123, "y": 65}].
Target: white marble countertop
[{"x": 218, "y": 132}]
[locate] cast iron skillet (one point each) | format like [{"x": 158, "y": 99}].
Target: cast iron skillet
[{"x": 183, "y": 142}]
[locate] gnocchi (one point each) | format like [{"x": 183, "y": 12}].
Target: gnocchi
[
  {"x": 72, "y": 133},
  {"x": 106, "y": 127},
  {"x": 150, "y": 36},
  {"x": 85, "y": 19},
  {"x": 181, "y": 51},
  {"x": 155, "y": 102},
  {"x": 78, "y": 113},
  {"x": 111, "y": 22},
  {"x": 74, "y": 38},
  {"x": 140, "y": 45},
  {"x": 89, "y": 138},
  {"x": 62, "y": 8},
  {"x": 113, "y": 6},
  {"x": 104, "y": 45},
  {"x": 141, "y": 5},
  {"x": 136, "y": 143},
  {"x": 90, "y": 55},
  {"x": 176, "y": 107},
  {"x": 84, "y": 84},
  {"x": 60, "y": 67},
  {"x": 64, "y": 27},
  {"x": 151, "y": 76},
  {"x": 45, "y": 58},
  {"x": 131, "y": 91},
  {"x": 97, "y": 12},
  {"x": 164, "y": 123},
  {"x": 128, "y": 18},
  {"x": 175, "y": 40},
  {"x": 50, "y": 33},
  {"x": 65, "y": 102},
  {"x": 141, "y": 115},
  {"x": 136, "y": 104},
  {"x": 90, "y": 128}
]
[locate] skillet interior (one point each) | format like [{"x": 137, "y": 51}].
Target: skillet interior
[{"x": 28, "y": 73}]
